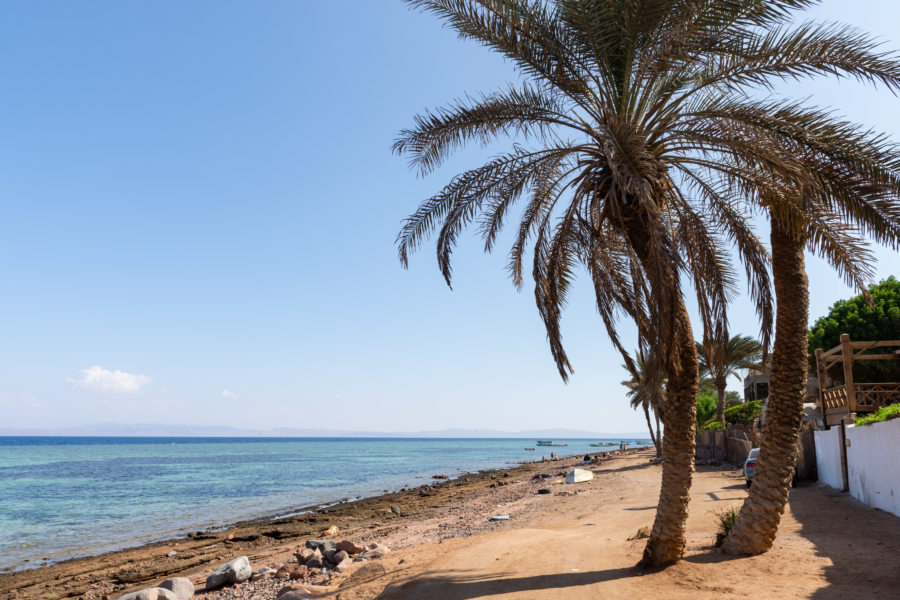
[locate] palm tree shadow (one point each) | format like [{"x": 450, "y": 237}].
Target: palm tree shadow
[{"x": 462, "y": 585}]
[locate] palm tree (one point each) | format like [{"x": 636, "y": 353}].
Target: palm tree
[
  {"x": 719, "y": 361},
  {"x": 646, "y": 389},
  {"x": 637, "y": 153}
]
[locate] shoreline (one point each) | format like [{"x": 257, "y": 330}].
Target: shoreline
[
  {"x": 161, "y": 528},
  {"x": 366, "y": 518}
]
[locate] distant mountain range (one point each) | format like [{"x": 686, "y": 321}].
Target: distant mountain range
[{"x": 158, "y": 430}]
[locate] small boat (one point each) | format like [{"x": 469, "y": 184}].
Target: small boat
[
  {"x": 530, "y": 449},
  {"x": 549, "y": 443},
  {"x": 579, "y": 476},
  {"x": 601, "y": 444}
]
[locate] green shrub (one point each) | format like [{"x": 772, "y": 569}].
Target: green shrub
[
  {"x": 707, "y": 401},
  {"x": 744, "y": 414},
  {"x": 725, "y": 521},
  {"x": 714, "y": 425},
  {"x": 885, "y": 413}
]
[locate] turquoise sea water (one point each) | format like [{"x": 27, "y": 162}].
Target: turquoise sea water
[{"x": 67, "y": 497}]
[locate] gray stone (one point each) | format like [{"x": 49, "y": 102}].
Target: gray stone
[
  {"x": 314, "y": 562},
  {"x": 180, "y": 586},
  {"x": 320, "y": 545},
  {"x": 395, "y": 510},
  {"x": 340, "y": 555},
  {"x": 235, "y": 571},
  {"x": 154, "y": 593}
]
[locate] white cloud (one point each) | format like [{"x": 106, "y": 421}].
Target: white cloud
[
  {"x": 227, "y": 394},
  {"x": 114, "y": 382}
]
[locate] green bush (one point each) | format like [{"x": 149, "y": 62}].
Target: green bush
[
  {"x": 880, "y": 321},
  {"x": 714, "y": 425},
  {"x": 725, "y": 520},
  {"x": 707, "y": 401},
  {"x": 885, "y": 413},
  {"x": 744, "y": 414}
]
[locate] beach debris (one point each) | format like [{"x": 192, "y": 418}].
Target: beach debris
[
  {"x": 180, "y": 586},
  {"x": 499, "y": 518},
  {"x": 349, "y": 547},
  {"x": 439, "y": 476},
  {"x": 299, "y": 573},
  {"x": 579, "y": 476},
  {"x": 154, "y": 593},
  {"x": 506, "y": 474},
  {"x": 333, "y": 530},
  {"x": 541, "y": 476},
  {"x": 320, "y": 545},
  {"x": 642, "y": 534},
  {"x": 395, "y": 510},
  {"x": 375, "y": 550},
  {"x": 235, "y": 571},
  {"x": 545, "y": 491}
]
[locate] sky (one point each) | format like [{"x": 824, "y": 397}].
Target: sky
[{"x": 198, "y": 207}]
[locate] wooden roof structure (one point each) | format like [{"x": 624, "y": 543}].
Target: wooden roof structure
[{"x": 854, "y": 396}]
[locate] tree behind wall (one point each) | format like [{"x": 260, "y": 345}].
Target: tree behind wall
[{"x": 864, "y": 322}]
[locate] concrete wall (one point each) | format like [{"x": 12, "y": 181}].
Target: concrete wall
[
  {"x": 872, "y": 465},
  {"x": 710, "y": 445},
  {"x": 737, "y": 450},
  {"x": 828, "y": 457}
]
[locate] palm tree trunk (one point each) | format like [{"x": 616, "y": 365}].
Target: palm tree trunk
[
  {"x": 650, "y": 427},
  {"x": 667, "y": 538},
  {"x": 658, "y": 434},
  {"x": 757, "y": 523},
  {"x": 720, "y": 407}
]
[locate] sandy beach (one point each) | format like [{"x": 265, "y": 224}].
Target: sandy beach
[{"x": 572, "y": 543}]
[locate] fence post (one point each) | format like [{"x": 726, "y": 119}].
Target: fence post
[
  {"x": 820, "y": 372},
  {"x": 847, "y": 360}
]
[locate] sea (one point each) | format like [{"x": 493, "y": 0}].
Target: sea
[{"x": 66, "y": 497}]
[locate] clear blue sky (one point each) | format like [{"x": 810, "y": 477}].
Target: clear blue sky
[{"x": 199, "y": 205}]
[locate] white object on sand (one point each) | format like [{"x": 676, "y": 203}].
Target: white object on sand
[{"x": 579, "y": 475}]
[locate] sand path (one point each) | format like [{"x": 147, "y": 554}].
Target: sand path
[{"x": 575, "y": 547}]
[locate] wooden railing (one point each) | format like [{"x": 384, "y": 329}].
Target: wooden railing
[
  {"x": 835, "y": 397},
  {"x": 872, "y": 396}
]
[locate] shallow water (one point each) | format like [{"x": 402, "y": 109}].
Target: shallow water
[{"x": 67, "y": 497}]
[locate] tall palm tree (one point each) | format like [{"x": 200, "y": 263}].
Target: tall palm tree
[
  {"x": 637, "y": 152},
  {"x": 721, "y": 359},
  {"x": 647, "y": 390}
]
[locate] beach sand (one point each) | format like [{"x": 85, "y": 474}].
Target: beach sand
[{"x": 559, "y": 545}]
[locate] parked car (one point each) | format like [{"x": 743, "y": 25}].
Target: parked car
[
  {"x": 750, "y": 468},
  {"x": 750, "y": 465}
]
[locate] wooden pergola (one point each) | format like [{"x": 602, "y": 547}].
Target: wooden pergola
[{"x": 854, "y": 396}]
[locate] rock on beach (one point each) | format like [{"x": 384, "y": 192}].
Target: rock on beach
[
  {"x": 154, "y": 593},
  {"x": 235, "y": 571},
  {"x": 180, "y": 586}
]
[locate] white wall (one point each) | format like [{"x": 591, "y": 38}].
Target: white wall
[
  {"x": 873, "y": 466},
  {"x": 828, "y": 457}
]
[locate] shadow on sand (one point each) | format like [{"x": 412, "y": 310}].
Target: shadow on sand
[{"x": 459, "y": 586}]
